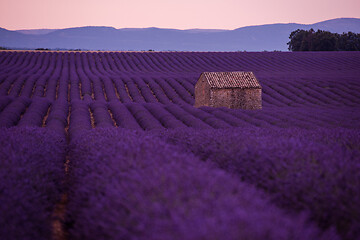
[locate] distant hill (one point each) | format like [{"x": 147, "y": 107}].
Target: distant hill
[
  {"x": 36, "y": 31},
  {"x": 268, "y": 37}
]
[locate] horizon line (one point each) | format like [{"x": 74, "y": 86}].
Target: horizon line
[{"x": 219, "y": 29}]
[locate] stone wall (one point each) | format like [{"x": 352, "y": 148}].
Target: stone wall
[
  {"x": 226, "y": 97},
  {"x": 253, "y": 98},
  {"x": 202, "y": 93},
  {"x": 236, "y": 98}
]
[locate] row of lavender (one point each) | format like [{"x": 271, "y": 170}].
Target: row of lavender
[
  {"x": 80, "y": 115},
  {"x": 84, "y": 76},
  {"x": 130, "y": 185},
  {"x": 32, "y": 181},
  {"x": 137, "y": 185},
  {"x": 277, "y": 91},
  {"x": 177, "y": 62},
  {"x": 316, "y": 171},
  {"x": 71, "y": 78}
]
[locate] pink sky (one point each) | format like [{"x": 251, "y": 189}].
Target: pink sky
[{"x": 185, "y": 14}]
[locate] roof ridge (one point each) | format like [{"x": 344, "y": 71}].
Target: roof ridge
[{"x": 234, "y": 79}]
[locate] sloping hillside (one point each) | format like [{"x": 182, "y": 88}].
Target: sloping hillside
[
  {"x": 108, "y": 145},
  {"x": 156, "y": 90}
]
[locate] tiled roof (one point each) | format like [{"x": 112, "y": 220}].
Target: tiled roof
[{"x": 231, "y": 79}]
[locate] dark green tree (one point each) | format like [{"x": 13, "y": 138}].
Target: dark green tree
[
  {"x": 309, "y": 40},
  {"x": 349, "y": 42},
  {"x": 296, "y": 39},
  {"x": 324, "y": 41}
]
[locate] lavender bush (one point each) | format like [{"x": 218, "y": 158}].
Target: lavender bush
[
  {"x": 129, "y": 185},
  {"x": 31, "y": 173},
  {"x": 313, "y": 170}
]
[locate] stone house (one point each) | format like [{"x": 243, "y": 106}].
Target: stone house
[{"x": 228, "y": 89}]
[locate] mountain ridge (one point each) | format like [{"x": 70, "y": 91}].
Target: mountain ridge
[{"x": 267, "y": 37}]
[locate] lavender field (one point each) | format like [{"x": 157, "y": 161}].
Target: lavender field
[{"x": 108, "y": 145}]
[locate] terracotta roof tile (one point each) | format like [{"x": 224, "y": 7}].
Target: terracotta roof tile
[{"x": 231, "y": 79}]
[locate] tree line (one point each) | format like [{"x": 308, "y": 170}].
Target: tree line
[{"x": 311, "y": 40}]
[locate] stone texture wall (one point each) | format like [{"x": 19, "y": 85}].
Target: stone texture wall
[
  {"x": 202, "y": 93},
  {"x": 236, "y": 98},
  {"x": 226, "y": 97},
  {"x": 253, "y": 98}
]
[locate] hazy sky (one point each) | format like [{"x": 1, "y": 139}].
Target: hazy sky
[{"x": 184, "y": 14}]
